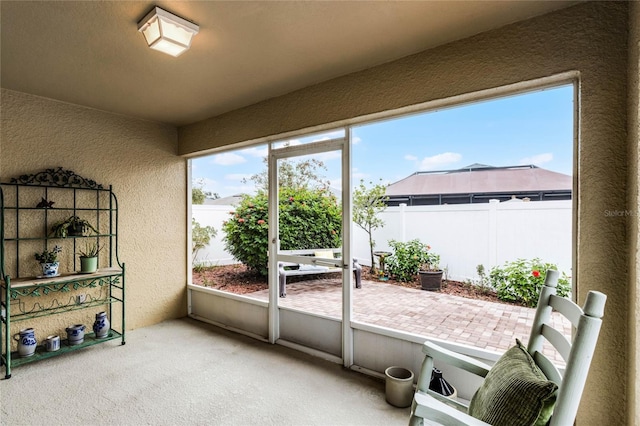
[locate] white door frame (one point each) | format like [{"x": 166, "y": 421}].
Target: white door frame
[{"x": 343, "y": 145}]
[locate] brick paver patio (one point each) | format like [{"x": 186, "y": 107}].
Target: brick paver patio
[{"x": 482, "y": 324}]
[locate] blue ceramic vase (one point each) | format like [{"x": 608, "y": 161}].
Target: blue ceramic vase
[
  {"x": 26, "y": 342},
  {"x": 75, "y": 334},
  {"x": 101, "y": 325}
]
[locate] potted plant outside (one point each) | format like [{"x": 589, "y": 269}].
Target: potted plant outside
[
  {"x": 72, "y": 227},
  {"x": 430, "y": 272},
  {"x": 49, "y": 261},
  {"x": 403, "y": 265},
  {"x": 89, "y": 258}
]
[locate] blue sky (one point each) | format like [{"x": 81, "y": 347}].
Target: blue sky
[{"x": 533, "y": 128}]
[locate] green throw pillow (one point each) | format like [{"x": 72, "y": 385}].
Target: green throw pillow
[{"x": 515, "y": 392}]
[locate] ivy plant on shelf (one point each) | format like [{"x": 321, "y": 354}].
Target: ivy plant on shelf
[{"x": 72, "y": 227}]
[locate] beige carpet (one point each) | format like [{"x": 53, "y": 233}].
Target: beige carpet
[{"x": 184, "y": 372}]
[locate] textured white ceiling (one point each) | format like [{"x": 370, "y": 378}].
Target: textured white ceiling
[{"x": 90, "y": 53}]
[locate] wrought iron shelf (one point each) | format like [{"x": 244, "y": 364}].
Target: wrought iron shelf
[
  {"x": 28, "y": 298},
  {"x": 57, "y": 307},
  {"x": 75, "y": 277},
  {"x": 41, "y": 353},
  {"x": 59, "y": 238},
  {"x": 32, "y": 185},
  {"x": 105, "y": 209},
  {"x": 61, "y": 309}
]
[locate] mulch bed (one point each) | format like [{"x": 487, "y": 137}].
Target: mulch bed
[{"x": 237, "y": 279}]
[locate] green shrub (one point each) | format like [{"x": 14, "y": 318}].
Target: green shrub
[
  {"x": 199, "y": 267},
  {"x": 520, "y": 281},
  {"x": 405, "y": 262},
  {"x": 309, "y": 218},
  {"x": 200, "y": 237},
  {"x": 483, "y": 283}
]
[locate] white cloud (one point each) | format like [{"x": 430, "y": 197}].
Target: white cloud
[
  {"x": 410, "y": 157},
  {"x": 538, "y": 159},
  {"x": 356, "y": 176},
  {"x": 237, "y": 176},
  {"x": 356, "y": 140},
  {"x": 256, "y": 152},
  {"x": 228, "y": 159},
  {"x": 440, "y": 160},
  {"x": 239, "y": 189},
  {"x": 207, "y": 185},
  {"x": 326, "y": 156},
  {"x": 336, "y": 134}
]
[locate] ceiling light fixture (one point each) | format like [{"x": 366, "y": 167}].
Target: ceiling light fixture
[{"x": 167, "y": 32}]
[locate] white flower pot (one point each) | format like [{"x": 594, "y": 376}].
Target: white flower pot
[{"x": 50, "y": 269}]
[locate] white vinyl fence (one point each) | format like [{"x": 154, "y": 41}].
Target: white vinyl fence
[
  {"x": 214, "y": 253},
  {"x": 464, "y": 235}
]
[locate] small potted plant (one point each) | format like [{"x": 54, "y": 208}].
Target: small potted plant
[
  {"x": 72, "y": 227},
  {"x": 49, "y": 261},
  {"x": 430, "y": 272},
  {"x": 89, "y": 258}
]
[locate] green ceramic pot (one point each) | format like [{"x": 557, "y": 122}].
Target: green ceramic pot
[{"x": 88, "y": 265}]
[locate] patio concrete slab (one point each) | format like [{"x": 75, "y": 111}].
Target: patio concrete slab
[{"x": 482, "y": 324}]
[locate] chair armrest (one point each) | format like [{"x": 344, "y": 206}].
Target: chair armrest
[
  {"x": 429, "y": 408},
  {"x": 438, "y": 353}
]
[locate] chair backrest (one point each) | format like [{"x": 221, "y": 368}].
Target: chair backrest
[{"x": 577, "y": 354}]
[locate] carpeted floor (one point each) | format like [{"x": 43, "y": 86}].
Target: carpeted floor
[{"x": 184, "y": 372}]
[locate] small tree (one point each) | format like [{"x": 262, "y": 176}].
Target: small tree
[
  {"x": 367, "y": 204},
  {"x": 301, "y": 174},
  {"x": 198, "y": 194},
  {"x": 200, "y": 236}
]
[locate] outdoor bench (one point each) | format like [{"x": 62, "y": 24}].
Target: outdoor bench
[{"x": 304, "y": 269}]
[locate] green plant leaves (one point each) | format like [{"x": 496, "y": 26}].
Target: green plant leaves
[
  {"x": 63, "y": 228},
  {"x": 521, "y": 280},
  {"x": 407, "y": 258},
  {"x": 309, "y": 218}
]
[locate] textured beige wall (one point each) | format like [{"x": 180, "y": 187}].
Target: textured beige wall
[
  {"x": 589, "y": 38},
  {"x": 634, "y": 206},
  {"x": 139, "y": 159}
]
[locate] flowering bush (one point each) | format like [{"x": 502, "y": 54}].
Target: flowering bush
[
  {"x": 309, "y": 219},
  {"x": 520, "y": 281},
  {"x": 409, "y": 258}
]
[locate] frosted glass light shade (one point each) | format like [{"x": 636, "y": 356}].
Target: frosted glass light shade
[{"x": 167, "y": 32}]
